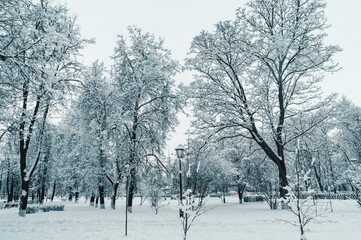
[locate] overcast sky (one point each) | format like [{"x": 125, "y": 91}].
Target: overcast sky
[{"x": 178, "y": 21}]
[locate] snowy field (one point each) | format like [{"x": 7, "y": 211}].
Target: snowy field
[{"x": 251, "y": 221}]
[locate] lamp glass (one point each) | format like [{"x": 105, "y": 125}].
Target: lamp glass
[{"x": 180, "y": 151}]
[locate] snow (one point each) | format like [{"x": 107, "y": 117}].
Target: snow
[{"x": 222, "y": 221}]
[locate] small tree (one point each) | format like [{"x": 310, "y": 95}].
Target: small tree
[
  {"x": 154, "y": 189},
  {"x": 191, "y": 210},
  {"x": 305, "y": 209}
]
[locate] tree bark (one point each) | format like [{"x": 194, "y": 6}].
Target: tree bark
[
  {"x": 96, "y": 201},
  {"x": 131, "y": 193},
  {"x": 318, "y": 178},
  {"x": 70, "y": 198},
  {"x": 278, "y": 158},
  {"x": 114, "y": 197},
  {"x": 132, "y": 159},
  {"x": 240, "y": 190},
  {"x": 24, "y": 198},
  {"x": 45, "y": 171},
  {"x": 101, "y": 196},
  {"x": 38, "y": 195},
  {"x": 76, "y": 196},
  {"x": 282, "y": 175},
  {"x": 92, "y": 198},
  {"x": 53, "y": 194},
  {"x": 1, "y": 180},
  {"x": 24, "y": 146},
  {"x": 24, "y": 182},
  {"x": 10, "y": 185}
]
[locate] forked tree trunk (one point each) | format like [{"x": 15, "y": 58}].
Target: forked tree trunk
[{"x": 24, "y": 146}]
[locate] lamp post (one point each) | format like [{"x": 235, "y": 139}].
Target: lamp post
[{"x": 180, "y": 154}]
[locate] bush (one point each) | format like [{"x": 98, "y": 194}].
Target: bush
[
  {"x": 253, "y": 198},
  {"x": 10, "y": 205},
  {"x": 47, "y": 208}
]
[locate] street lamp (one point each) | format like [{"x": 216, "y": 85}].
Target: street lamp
[{"x": 180, "y": 154}]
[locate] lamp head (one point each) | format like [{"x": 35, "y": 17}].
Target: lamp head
[{"x": 180, "y": 151}]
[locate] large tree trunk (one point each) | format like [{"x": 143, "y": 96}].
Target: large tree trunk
[
  {"x": 131, "y": 193},
  {"x": 1, "y": 181},
  {"x": 282, "y": 175},
  {"x": 42, "y": 193},
  {"x": 24, "y": 146},
  {"x": 133, "y": 160},
  {"x": 24, "y": 181},
  {"x": 96, "y": 201},
  {"x": 282, "y": 172},
  {"x": 38, "y": 195},
  {"x": 332, "y": 174},
  {"x": 278, "y": 158},
  {"x": 24, "y": 197},
  {"x": 70, "y": 198},
  {"x": 76, "y": 196},
  {"x": 101, "y": 196},
  {"x": 10, "y": 186},
  {"x": 101, "y": 178},
  {"x": 318, "y": 178},
  {"x": 92, "y": 199},
  {"x": 53, "y": 194},
  {"x": 114, "y": 197},
  {"x": 240, "y": 190},
  {"x": 131, "y": 183},
  {"x": 45, "y": 171}
]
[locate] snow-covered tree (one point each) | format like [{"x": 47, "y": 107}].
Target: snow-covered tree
[
  {"x": 96, "y": 105},
  {"x": 261, "y": 71},
  {"x": 38, "y": 46},
  {"x": 144, "y": 73}
]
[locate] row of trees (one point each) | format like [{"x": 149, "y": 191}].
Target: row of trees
[
  {"x": 254, "y": 96},
  {"x": 119, "y": 119},
  {"x": 38, "y": 45}
]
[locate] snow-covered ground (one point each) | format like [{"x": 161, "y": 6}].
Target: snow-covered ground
[{"x": 222, "y": 221}]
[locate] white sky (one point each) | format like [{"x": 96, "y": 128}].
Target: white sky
[{"x": 178, "y": 21}]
